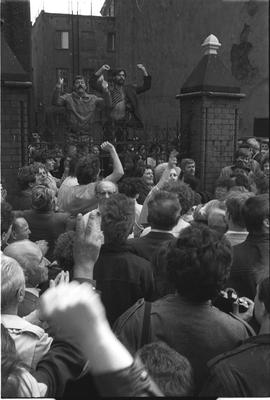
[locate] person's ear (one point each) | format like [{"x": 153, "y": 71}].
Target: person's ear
[{"x": 21, "y": 294}]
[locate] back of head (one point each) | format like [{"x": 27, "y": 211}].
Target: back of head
[
  {"x": 130, "y": 187},
  {"x": 26, "y": 176},
  {"x": 164, "y": 210},
  {"x": 87, "y": 169},
  {"x": 170, "y": 370},
  {"x": 185, "y": 194},
  {"x": 198, "y": 263},
  {"x": 12, "y": 280},
  {"x": 255, "y": 211},
  {"x": 63, "y": 250},
  {"x": 234, "y": 204},
  {"x": 29, "y": 256},
  {"x": 42, "y": 198},
  {"x": 117, "y": 218}
]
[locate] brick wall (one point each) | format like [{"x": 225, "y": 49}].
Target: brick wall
[
  {"x": 13, "y": 135},
  {"x": 209, "y": 134}
]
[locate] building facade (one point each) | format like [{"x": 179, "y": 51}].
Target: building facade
[
  {"x": 166, "y": 36},
  {"x": 66, "y": 45},
  {"x": 16, "y": 89}
]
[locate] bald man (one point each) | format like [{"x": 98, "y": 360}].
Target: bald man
[{"x": 34, "y": 265}]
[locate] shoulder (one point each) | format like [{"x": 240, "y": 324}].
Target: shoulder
[
  {"x": 18, "y": 326},
  {"x": 130, "y": 316},
  {"x": 239, "y": 352}
]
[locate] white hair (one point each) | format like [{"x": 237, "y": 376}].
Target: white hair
[{"x": 12, "y": 279}]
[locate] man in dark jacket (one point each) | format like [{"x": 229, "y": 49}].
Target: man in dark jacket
[
  {"x": 124, "y": 110},
  {"x": 121, "y": 276},
  {"x": 163, "y": 214},
  {"x": 251, "y": 258}
]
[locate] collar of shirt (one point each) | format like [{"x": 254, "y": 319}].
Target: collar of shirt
[
  {"x": 34, "y": 291},
  {"x": 236, "y": 232},
  {"x": 160, "y": 230}
]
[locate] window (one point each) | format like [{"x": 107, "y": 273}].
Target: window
[
  {"x": 111, "y": 41},
  {"x": 63, "y": 73},
  {"x": 261, "y": 127},
  {"x": 88, "y": 41},
  {"x": 62, "y": 40}
]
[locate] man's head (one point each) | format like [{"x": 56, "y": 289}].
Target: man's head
[
  {"x": 164, "y": 210},
  {"x": 188, "y": 167},
  {"x": 264, "y": 147},
  {"x": 119, "y": 76},
  {"x": 20, "y": 229},
  {"x": 7, "y": 218},
  {"x": 87, "y": 169},
  {"x": 262, "y": 303},
  {"x": 234, "y": 205},
  {"x": 217, "y": 220},
  {"x": 117, "y": 218},
  {"x": 43, "y": 198},
  {"x": 105, "y": 189},
  {"x": 198, "y": 263},
  {"x": 170, "y": 370},
  {"x": 79, "y": 85},
  {"x": 173, "y": 175},
  {"x": 30, "y": 257},
  {"x": 256, "y": 214},
  {"x": 243, "y": 154},
  {"x": 12, "y": 284}
]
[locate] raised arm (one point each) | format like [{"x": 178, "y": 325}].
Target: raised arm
[
  {"x": 146, "y": 80},
  {"x": 118, "y": 170}
]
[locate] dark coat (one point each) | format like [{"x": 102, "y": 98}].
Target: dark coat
[
  {"x": 147, "y": 245},
  {"x": 122, "y": 278},
  {"x": 243, "y": 372}
]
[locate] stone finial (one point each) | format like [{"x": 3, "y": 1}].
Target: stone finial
[{"x": 211, "y": 44}]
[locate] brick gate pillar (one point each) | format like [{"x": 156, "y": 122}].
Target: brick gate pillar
[{"x": 209, "y": 107}]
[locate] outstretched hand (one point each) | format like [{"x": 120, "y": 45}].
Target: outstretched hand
[
  {"x": 60, "y": 82},
  {"x": 247, "y": 315},
  {"x": 106, "y": 67},
  {"x": 87, "y": 243},
  {"x": 62, "y": 277}
]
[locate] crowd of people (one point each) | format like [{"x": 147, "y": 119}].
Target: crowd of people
[{"x": 133, "y": 280}]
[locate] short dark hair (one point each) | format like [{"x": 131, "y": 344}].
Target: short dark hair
[
  {"x": 117, "y": 218},
  {"x": 185, "y": 194},
  {"x": 87, "y": 169},
  {"x": 25, "y": 176},
  {"x": 199, "y": 262},
  {"x": 164, "y": 210},
  {"x": 117, "y": 71},
  {"x": 255, "y": 210},
  {"x": 130, "y": 187},
  {"x": 234, "y": 204},
  {"x": 264, "y": 293},
  {"x": 7, "y": 216},
  {"x": 42, "y": 198},
  {"x": 63, "y": 250},
  {"x": 78, "y": 77},
  {"x": 72, "y": 166},
  {"x": 242, "y": 180},
  {"x": 265, "y": 159},
  {"x": 171, "y": 371}
]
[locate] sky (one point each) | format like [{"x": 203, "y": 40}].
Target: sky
[{"x": 65, "y": 7}]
